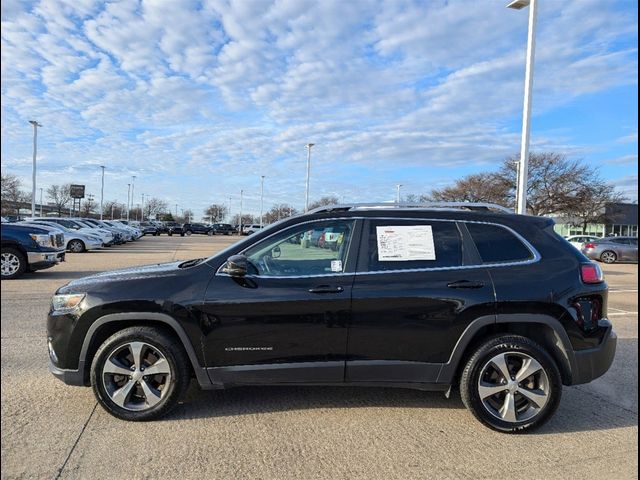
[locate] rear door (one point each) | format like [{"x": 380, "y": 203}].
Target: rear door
[{"x": 414, "y": 294}]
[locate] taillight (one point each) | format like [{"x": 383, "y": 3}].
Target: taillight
[
  {"x": 589, "y": 245},
  {"x": 591, "y": 273}
]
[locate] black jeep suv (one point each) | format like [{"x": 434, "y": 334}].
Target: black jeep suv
[
  {"x": 201, "y": 228},
  {"x": 429, "y": 298}
]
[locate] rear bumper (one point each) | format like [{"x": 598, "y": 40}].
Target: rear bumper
[{"x": 594, "y": 362}]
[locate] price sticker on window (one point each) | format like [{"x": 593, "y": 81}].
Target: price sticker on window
[{"x": 403, "y": 243}]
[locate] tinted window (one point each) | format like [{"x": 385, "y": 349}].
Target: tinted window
[
  {"x": 446, "y": 242},
  {"x": 497, "y": 244},
  {"x": 622, "y": 241},
  {"x": 318, "y": 248}
]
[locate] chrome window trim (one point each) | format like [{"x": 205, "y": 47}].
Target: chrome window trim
[
  {"x": 536, "y": 257},
  {"x": 220, "y": 273}
]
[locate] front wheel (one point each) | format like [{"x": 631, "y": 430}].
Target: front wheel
[
  {"x": 13, "y": 263},
  {"x": 511, "y": 384},
  {"x": 76, "y": 246},
  {"x": 210, "y": 233},
  {"x": 140, "y": 373}
]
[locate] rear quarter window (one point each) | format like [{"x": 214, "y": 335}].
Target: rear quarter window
[{"x": 496, "y": 244}]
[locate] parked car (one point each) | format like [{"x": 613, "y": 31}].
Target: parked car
[
  {"x": 107, "y": 237},
  {"x": 578, "y": 240},
  {"x": 27, "y": 248},
  {"x": 223, "y": 229},
  {"x": 251, "y": 229},
  {"x": 74, "y": 241},
  {"x": 199, "y": 228},
  {"x": 477, "y": 298},
  {"x": 149, "y": 228},
  {"x": 612, "y": 249},
  {"x": 174, "y": 227}
]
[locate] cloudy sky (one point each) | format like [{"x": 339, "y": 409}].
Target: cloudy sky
[{"x": 200, "y": 98}]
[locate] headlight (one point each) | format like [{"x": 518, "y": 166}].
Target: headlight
[
  {"x": 41, "y": 239},
  {"x": 66, "y": 303}
]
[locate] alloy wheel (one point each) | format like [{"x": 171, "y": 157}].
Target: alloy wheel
[
  {"x": 136, "y": 376},
  {"x": 10, "y": 264},
  {"x": 513, "y": 387},
  {"x": 608, "y": 257}
]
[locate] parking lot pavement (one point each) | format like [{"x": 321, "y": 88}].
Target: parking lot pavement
[{"x": 51, "y": 430}]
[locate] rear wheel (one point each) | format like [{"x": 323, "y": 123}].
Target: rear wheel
[
  {"x": 188, "y": 233},
  {"x": 13, "y": 263},
  {"x": 76, "y": 246},
  {"x": 608, "y": 256},
  {"x": 139, "y": 373},
  {"x": 511, "y": 384}
]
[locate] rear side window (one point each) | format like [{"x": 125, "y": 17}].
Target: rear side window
[
  {"x": 415, "y": 244},
  {"x": 497, "y": 244}
]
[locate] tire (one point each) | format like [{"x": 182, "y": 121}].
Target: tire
[
  {"x": 608, "y": 256},
  {"x": 188, "y": 233},
  {"x": 210, "y": 233},
  {"x": 484, "y": 391},
  {"x": 76, "y": 246},
  {"x": 14, "y": 264},
  {"x": 170, "y": 234},
  {"x": 156, "y": 349}
]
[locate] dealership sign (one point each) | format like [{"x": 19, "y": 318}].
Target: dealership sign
[{"x": 76, "y": 191}]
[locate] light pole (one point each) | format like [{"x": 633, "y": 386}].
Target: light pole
[
  {"x": 261, "y": 197},
  {"x": 102, "y": 192},
  {"x": 142, "y": 209},
  {"x": 229, "y": 210},
  {"x": 35, "y": 151},
  {"x": 41, "y": 202},
  {"x": 523, "y": 171},
  {"x": 306, "y": 195},
  {"x": 176, "y": 212},
  {"x": 128, "y": 199},
  {"x": 133, "y": 183},
  {"x": 398, "y": 186},
  {"x": 240, "y": 220}
]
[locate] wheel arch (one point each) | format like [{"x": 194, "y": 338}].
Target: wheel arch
[
  {"x": 543, "y": 329},
  {"x": 109, "y": 324}
]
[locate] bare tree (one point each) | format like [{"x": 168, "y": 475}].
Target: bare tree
[
  {"x": 60, "y": 196},
  {"x": 187, "y": 216},
  {"x": 12, "y": 194},
  {"x": 155, "y": 206},
  {"x": 247, "y": 219},
  {"x": 589, "y": 203},
  {"x": 278, "y": 212},
  {"x": 87, "y": 207},
  {"x": 482, "y": 187},
  {"x": 324, "y": 201},
  {"x": 215, "y": 213}
]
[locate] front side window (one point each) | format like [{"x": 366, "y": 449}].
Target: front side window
[
  {"x": 497, "y": 244},
  {"x": 317, "y": 248},
  {"x": 413, "y": 244}
]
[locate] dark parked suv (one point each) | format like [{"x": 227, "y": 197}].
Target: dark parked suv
[
  {"x": 201, "y": 228},
  {"x": 429, "y": 297}
]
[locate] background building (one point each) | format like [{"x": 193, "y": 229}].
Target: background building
[{"x": 617, "y": 219}]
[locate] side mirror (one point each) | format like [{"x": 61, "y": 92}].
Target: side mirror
[{"x": 236, "y": 266}]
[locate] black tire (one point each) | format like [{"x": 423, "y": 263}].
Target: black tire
[
  {"x": 157, "y": 341},
  {"x": 188, "y": 233},
  {"x": 608, "y": 256},
  {"x": 16, "y": 263},
  {"x": 512, "y": 345},
  {"x": 170, "y": 234},
  {"x": 210, "y": 233},
  {"x": 76, "y": 246}
]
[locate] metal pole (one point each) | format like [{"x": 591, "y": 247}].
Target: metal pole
[
  {"x": 521, "y": 193},
  {"x": 102, "y": 193},
  {"x": 229, "y": 215},
  {"x": 128, "y": 199},
  {"x": 133, "y": 182},
  {"x": 398, "y": 193},
  {"x": 41, "y": 202},
  {"x": 33, "y": 178},
  {"x": 306, "y": 195},
  {"x": 112, "y": 206},
  {"x": 261, "y": 197},
  {"x": 240, "y": 221},
  {"x": 142, "y": 209},
  {"x": 176, "y": 212}
]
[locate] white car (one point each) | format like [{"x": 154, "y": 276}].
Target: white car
[
  {"x": 75, "y": 241},
  {"x": 250, "y": 229},
  {"x": 106, "y": 236},
  {"x": 578, "y": 240}
]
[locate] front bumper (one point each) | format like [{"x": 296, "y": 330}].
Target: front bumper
[
  {"x": 42, "y": 260},
  {"x": 70, "y": 377},
  {"x": 594, "y": 362}
]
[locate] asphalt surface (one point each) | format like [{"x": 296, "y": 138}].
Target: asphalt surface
[{"x": 51, "y": 430}]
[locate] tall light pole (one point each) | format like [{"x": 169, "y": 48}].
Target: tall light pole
[
  {"x": 142, "y": 208},
  {"x": 240, "y": 220},
  {"x": 261, "y": 197},
  {"x": 229, "y": 209},
  {"x": 398, "y": 186},
  {"x": 133, "y": 183},
  {"x": 33, "y": 179},
  {"x": 128, "y": 199},
  {"x": 306, "y": 195},
  {"x": 102, "y": 192},
  {"x": 176, "y": 212},
  {"x": 523, "y": 171},
  {"x": 41, "y": 189}
]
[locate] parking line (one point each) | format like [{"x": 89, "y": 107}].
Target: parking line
[
  {"x": 620, "y": 314},
  {"x": 623, "y": 291}
]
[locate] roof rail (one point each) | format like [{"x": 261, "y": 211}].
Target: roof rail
[{"x": 425, "y": 206}]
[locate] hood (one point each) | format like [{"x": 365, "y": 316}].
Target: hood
[{"x": 158, "y": 270}]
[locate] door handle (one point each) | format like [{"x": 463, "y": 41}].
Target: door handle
[
  {"x": 465, "y": 284},
  {"x": 326, "y": 289}
]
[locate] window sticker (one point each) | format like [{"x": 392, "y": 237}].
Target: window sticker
[
  {"x": 336, "y": 265},
  {"x": 405, "y": 243}
]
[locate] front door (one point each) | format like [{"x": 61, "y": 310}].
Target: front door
[
  {"x": 286, "y": 321},
  {"x": 412, "y": 299}
]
